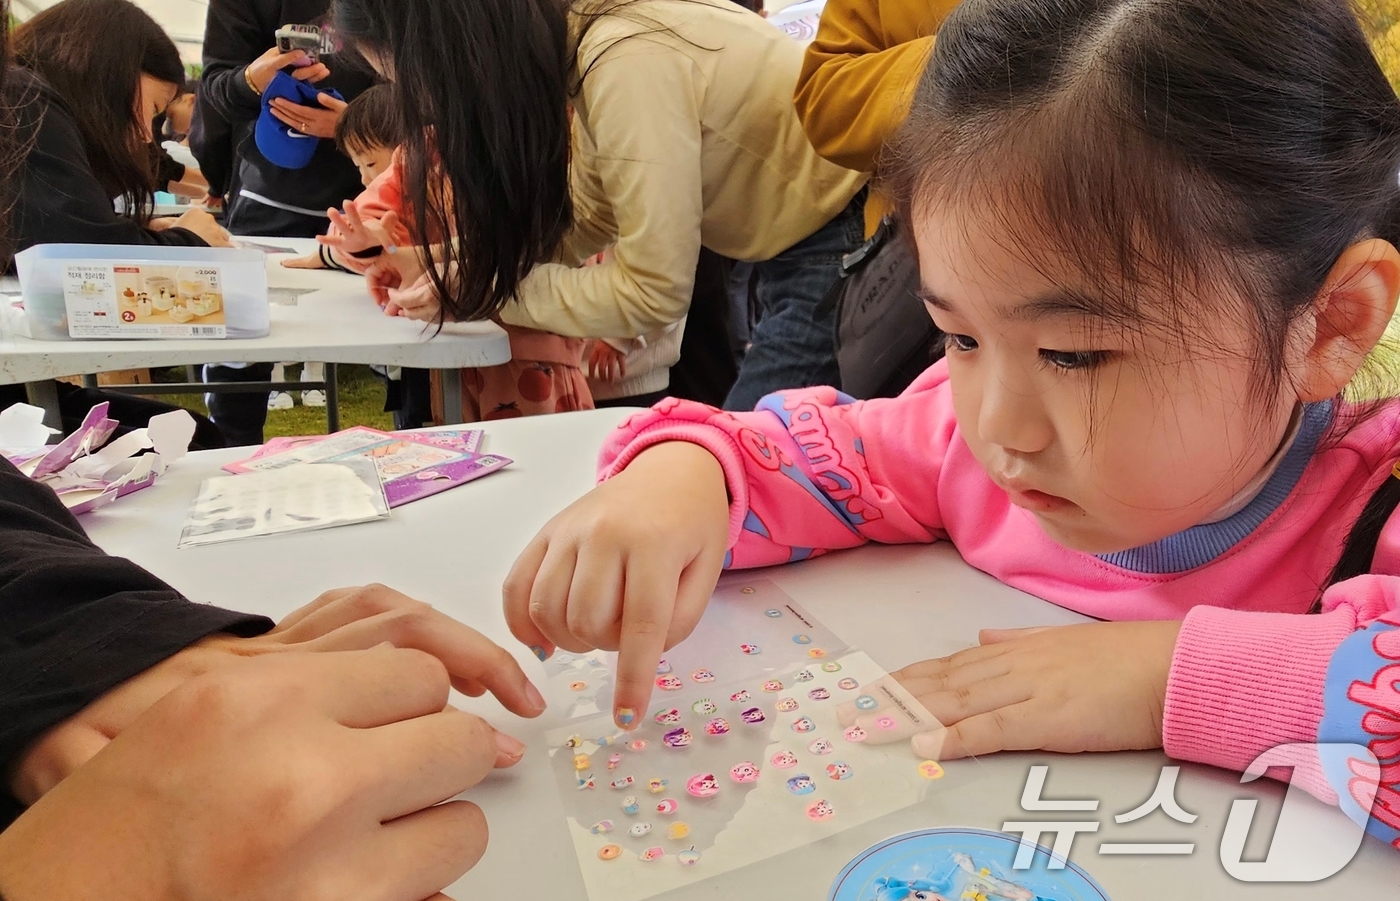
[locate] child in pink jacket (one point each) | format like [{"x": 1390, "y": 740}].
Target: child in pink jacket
[{"x": 1161, "y": 240}]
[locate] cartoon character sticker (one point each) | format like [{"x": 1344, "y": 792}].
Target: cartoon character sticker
[
  {"x": 930, "y": 769},
  {"x": 703, "y": 785},
  {"x": 855, "y": 733},
  {"x": 689, "y": 857},
  {"x": 640, "y": 829},
  {"x": 581, "y": 762},
  {"x": 866, "y": 702},
  {"x": 630, "y": 805},
  {"x": 717, "y": 726},
  {"x": 702, "y": 676},
  {"x": 741, "y": 696},
  {"x": 821, "y": 747},
  {"x": 831, "y": 666},
  {"x": 609, "y": 852},
  {"x": 819, "y": 694},
  {"x": 840, "y": 770},
  {"x": 704, "y": 707},
  {"x": 753, "y": 716},
  {"x": 669, "y": 683},
  {"x": 802, "y": 639},
  {"x": 773, "y": 613},
  {"x": 653, "y": 854},
  {"x": 816, "y": 653},
  {"x": 677, "y": 738},
  {"x": 801, "y": 784},
  {"x": 601, "y": 827},
  {"x": 772, "y": 685},
  {"x": 783, "y": 760},
  {"x": 803, "y": 724},
  {"x": 624, "y": 782},
  {"x": 848, "y": 684},
  {"x": 785, "y": 705},
  {"x": 750, "y": 649},
  {"x": 638, "y": 744},
  {"x": 668, "y": 717},
  {"x": 614, "y": 760},
  {"x": 744, "y": 772},
  {"x": 657, "y": 785},
  {"x": 805, "y": 676},
  {"x": 667, "y": 807},
  {"x": 820, "y": 811},
  {"x": 662, "y": 667}
]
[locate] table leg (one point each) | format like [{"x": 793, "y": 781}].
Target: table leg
[
  {"x": 332, "y": 399},
  {"x": 45, "y": 394},
  {"x": 451, "y": 396}
]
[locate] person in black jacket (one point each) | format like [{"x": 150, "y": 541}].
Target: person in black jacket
[
  {"x": 240, "y": 59},
  {"x": 156, "y": 733},
  {"x": 95, "y": 74}
]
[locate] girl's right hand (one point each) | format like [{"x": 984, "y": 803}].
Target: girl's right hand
[
  {"x": 205, "y": 226},
  {"x": 629, "y": 567}
]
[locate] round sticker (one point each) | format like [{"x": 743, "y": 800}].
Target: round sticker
[
  {"x": 639, "y": 744},
  {"x": 669, "y": 683},
  {"x": 866, "y": 702},
  {"x": 667, "y": 807},
  {"x": 785, "y": 705},
  {"x": 802, "y": 639},
  {"x": 653, "y": 853},
  {"x": 689, "y": 857},
  {"x": 744, "y": 772},
  {"x": 577, "y": 686},
  {"x": 831, "y": 666},
  {"x": 959, "y": 863},
  {"x": 821, "y": 747},
  {"x": 816, "y": 653},
  {"x": 820, "y": 811},
  {"x": 717, "y": 726},
  {"x": 704, "y": 785},
  {"x": 609, "y": 852},
  {"x": 753, "y": 715},
  {"x": 657, "y": 786},
  {"x": 930, "y": 769},
  {"x": 677, "y": 738},
  {"x": 855, "y": 733},
  {"x": 840, "y": 770},
  {"x": 704, "y": 707},
  {"x": 783, "y": 760},
  {"x": 848, "y": 684},
  {"x": 819, "y": 694},
  {"x": 803, "y": 724},
  {"x": 668, "y": 717},
  {"x": 741, "y": 696},
  {"x": 702, "y": 675},
  {"x": 750, "y": 649},
  {"x": 677, "y": 831},
  {"x": 640, "y": 829},
  {"x": 801, "y": 784}
]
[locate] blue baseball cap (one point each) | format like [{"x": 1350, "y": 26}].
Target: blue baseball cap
[{"x": 283, "y": 145}]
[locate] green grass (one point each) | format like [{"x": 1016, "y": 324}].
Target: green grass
[{"x": 361, "y": 403}]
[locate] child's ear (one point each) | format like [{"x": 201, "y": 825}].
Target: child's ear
[{"x": 1349, "y": 316}]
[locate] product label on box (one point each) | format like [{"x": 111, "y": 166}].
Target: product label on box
[{"x": 119, "y": 301}]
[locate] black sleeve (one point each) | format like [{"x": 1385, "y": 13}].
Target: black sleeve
[
  {"x": 234, "y": 35},
  {"x": 211, "y": 142},
  {"x": 75, "y": 622},
  {"x": 60, "y": 199},
  {"x": 169, "y": 170}
]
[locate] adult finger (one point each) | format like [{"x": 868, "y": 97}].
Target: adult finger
[
  {"x": 515, "y": 598},
  {"x": 470, "y": 657},
  {"x": 1003, "y": 729},
  {"x": 418, "y": 855},
  {"x": 333, "y": 104},
  {"x": 650, "y": 588},
  {"x": 313, "y": 72},
  {"x": 343, "y": 606},
  {"x": 434, "y": 758},
  {"x": 365, "y": 689},
  {"x": 549, "y": 596},
  {"x": 322, "y": 600}
]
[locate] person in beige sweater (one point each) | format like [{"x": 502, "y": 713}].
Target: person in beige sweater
[{"x": 686, "y": 137}]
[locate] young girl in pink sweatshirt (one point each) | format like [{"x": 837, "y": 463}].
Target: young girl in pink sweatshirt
[{"x": 1161, "y": 239}]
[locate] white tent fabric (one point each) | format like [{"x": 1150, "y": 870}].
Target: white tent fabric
[{"x": 183, "y": 20}]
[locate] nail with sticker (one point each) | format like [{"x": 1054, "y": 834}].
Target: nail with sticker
[
  {"x": 668, "y": 717},
  {"x": 744, "y": 772},
  {"x": 689, "y": 857},
  {"x": 803, "y": 724},
  {"x": 717, "y": 726},
  {"x": 783, "y": 760},
  {"x": 630, "y": 805},
  {"x": 702, "y": 676},
  {"x": 831, "y": 667},
  {"x": 624, "y": 782},
  {"x": 785, "y": 705},
  {"x": 669, "y": 683},
  {"x": 704, "y": 707},
  {"x": 601, "y": 827},
  {"x": 625, "y": 716},
  {"x": 819, "y": 694},
  {"x": 640, "y": 829},
  {"x": 703, "y": 785},
  {"x": 855, "y": 733},
  {"x": 816, "y": 653},
  {"x": 753, "y": 716},
  {"x": 772, "y": 685},
  {"x": 677, "y": 738},
  {"x": 651, "y": 854},
  {"x": 609, "y": 852},
  {"x": 930, "y": 769},
  {"x": 821, "y": 747},
  {"x": 820, "y": 811},
  {"x": 848, "y": 684},
  {"x": 667, "y": 807},
  {"x": 539, "y": 652},
  {"x": 750, "y": 649},
  {"x": 840, "y": 770},
  {"x": 801, "y": 784},
  {"x": 741, "y": 696}
]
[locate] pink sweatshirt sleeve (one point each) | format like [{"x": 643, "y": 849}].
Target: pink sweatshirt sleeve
[
  {"x": 381, "y": 196},
  {"x": 812, "y": 470},
  {"x": 1242, "y": 683}
]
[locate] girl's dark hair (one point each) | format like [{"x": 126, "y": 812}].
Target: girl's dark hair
[
  {"x": 93, "y": 53},
  {"x": 482, "y": 89},
  {"x": 371, "y": 120},
  {"x": 1164, "y": 146},
  {"x": 11, "y": 154}
]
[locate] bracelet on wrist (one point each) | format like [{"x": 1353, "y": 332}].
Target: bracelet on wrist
[{"x": 248, "y": 80}]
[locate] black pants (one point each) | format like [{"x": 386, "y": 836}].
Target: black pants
[
  {"x": 636, "y": 400},
  {"x": 240, "y": 417}
]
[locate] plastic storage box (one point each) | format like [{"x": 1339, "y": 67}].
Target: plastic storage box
[{"x": 143, "y": 291}]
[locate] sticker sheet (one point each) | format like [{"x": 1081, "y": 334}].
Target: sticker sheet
[{"x": 764, "y": 734}]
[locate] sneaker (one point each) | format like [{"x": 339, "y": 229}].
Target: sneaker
[
  {"x": 313, "y": 398},
  {"x": 280, "y": 400}
]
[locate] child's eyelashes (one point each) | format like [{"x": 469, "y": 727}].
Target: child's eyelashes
[
  {"x": 964, "y": 343},
  {"x": 1070, "y": 360}
]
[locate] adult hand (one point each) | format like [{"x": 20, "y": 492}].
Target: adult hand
[
  {"x": 318, "y": 121},
  {"x": 419, "y": 301},
  {"x": 391, "y": 271},
  {"x": 205, "y": 225},
  {"x": 606, "y": 363},
  {"x": 213, "y": 202},
  {"x": 161, "y": 223},
  {"x": 290, "y": 776},
  {"x": 262, "y": 70},
  {"x": 629, "y": 567},
  {"x": 1047, "y": 689},
  {"x": 343, "y": 619}
]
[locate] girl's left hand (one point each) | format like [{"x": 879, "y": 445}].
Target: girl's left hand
[
  {"x": 418, "y": 301},
  {"x": 317, "y": 121},
  {"x": 1089, "y": 687}
]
